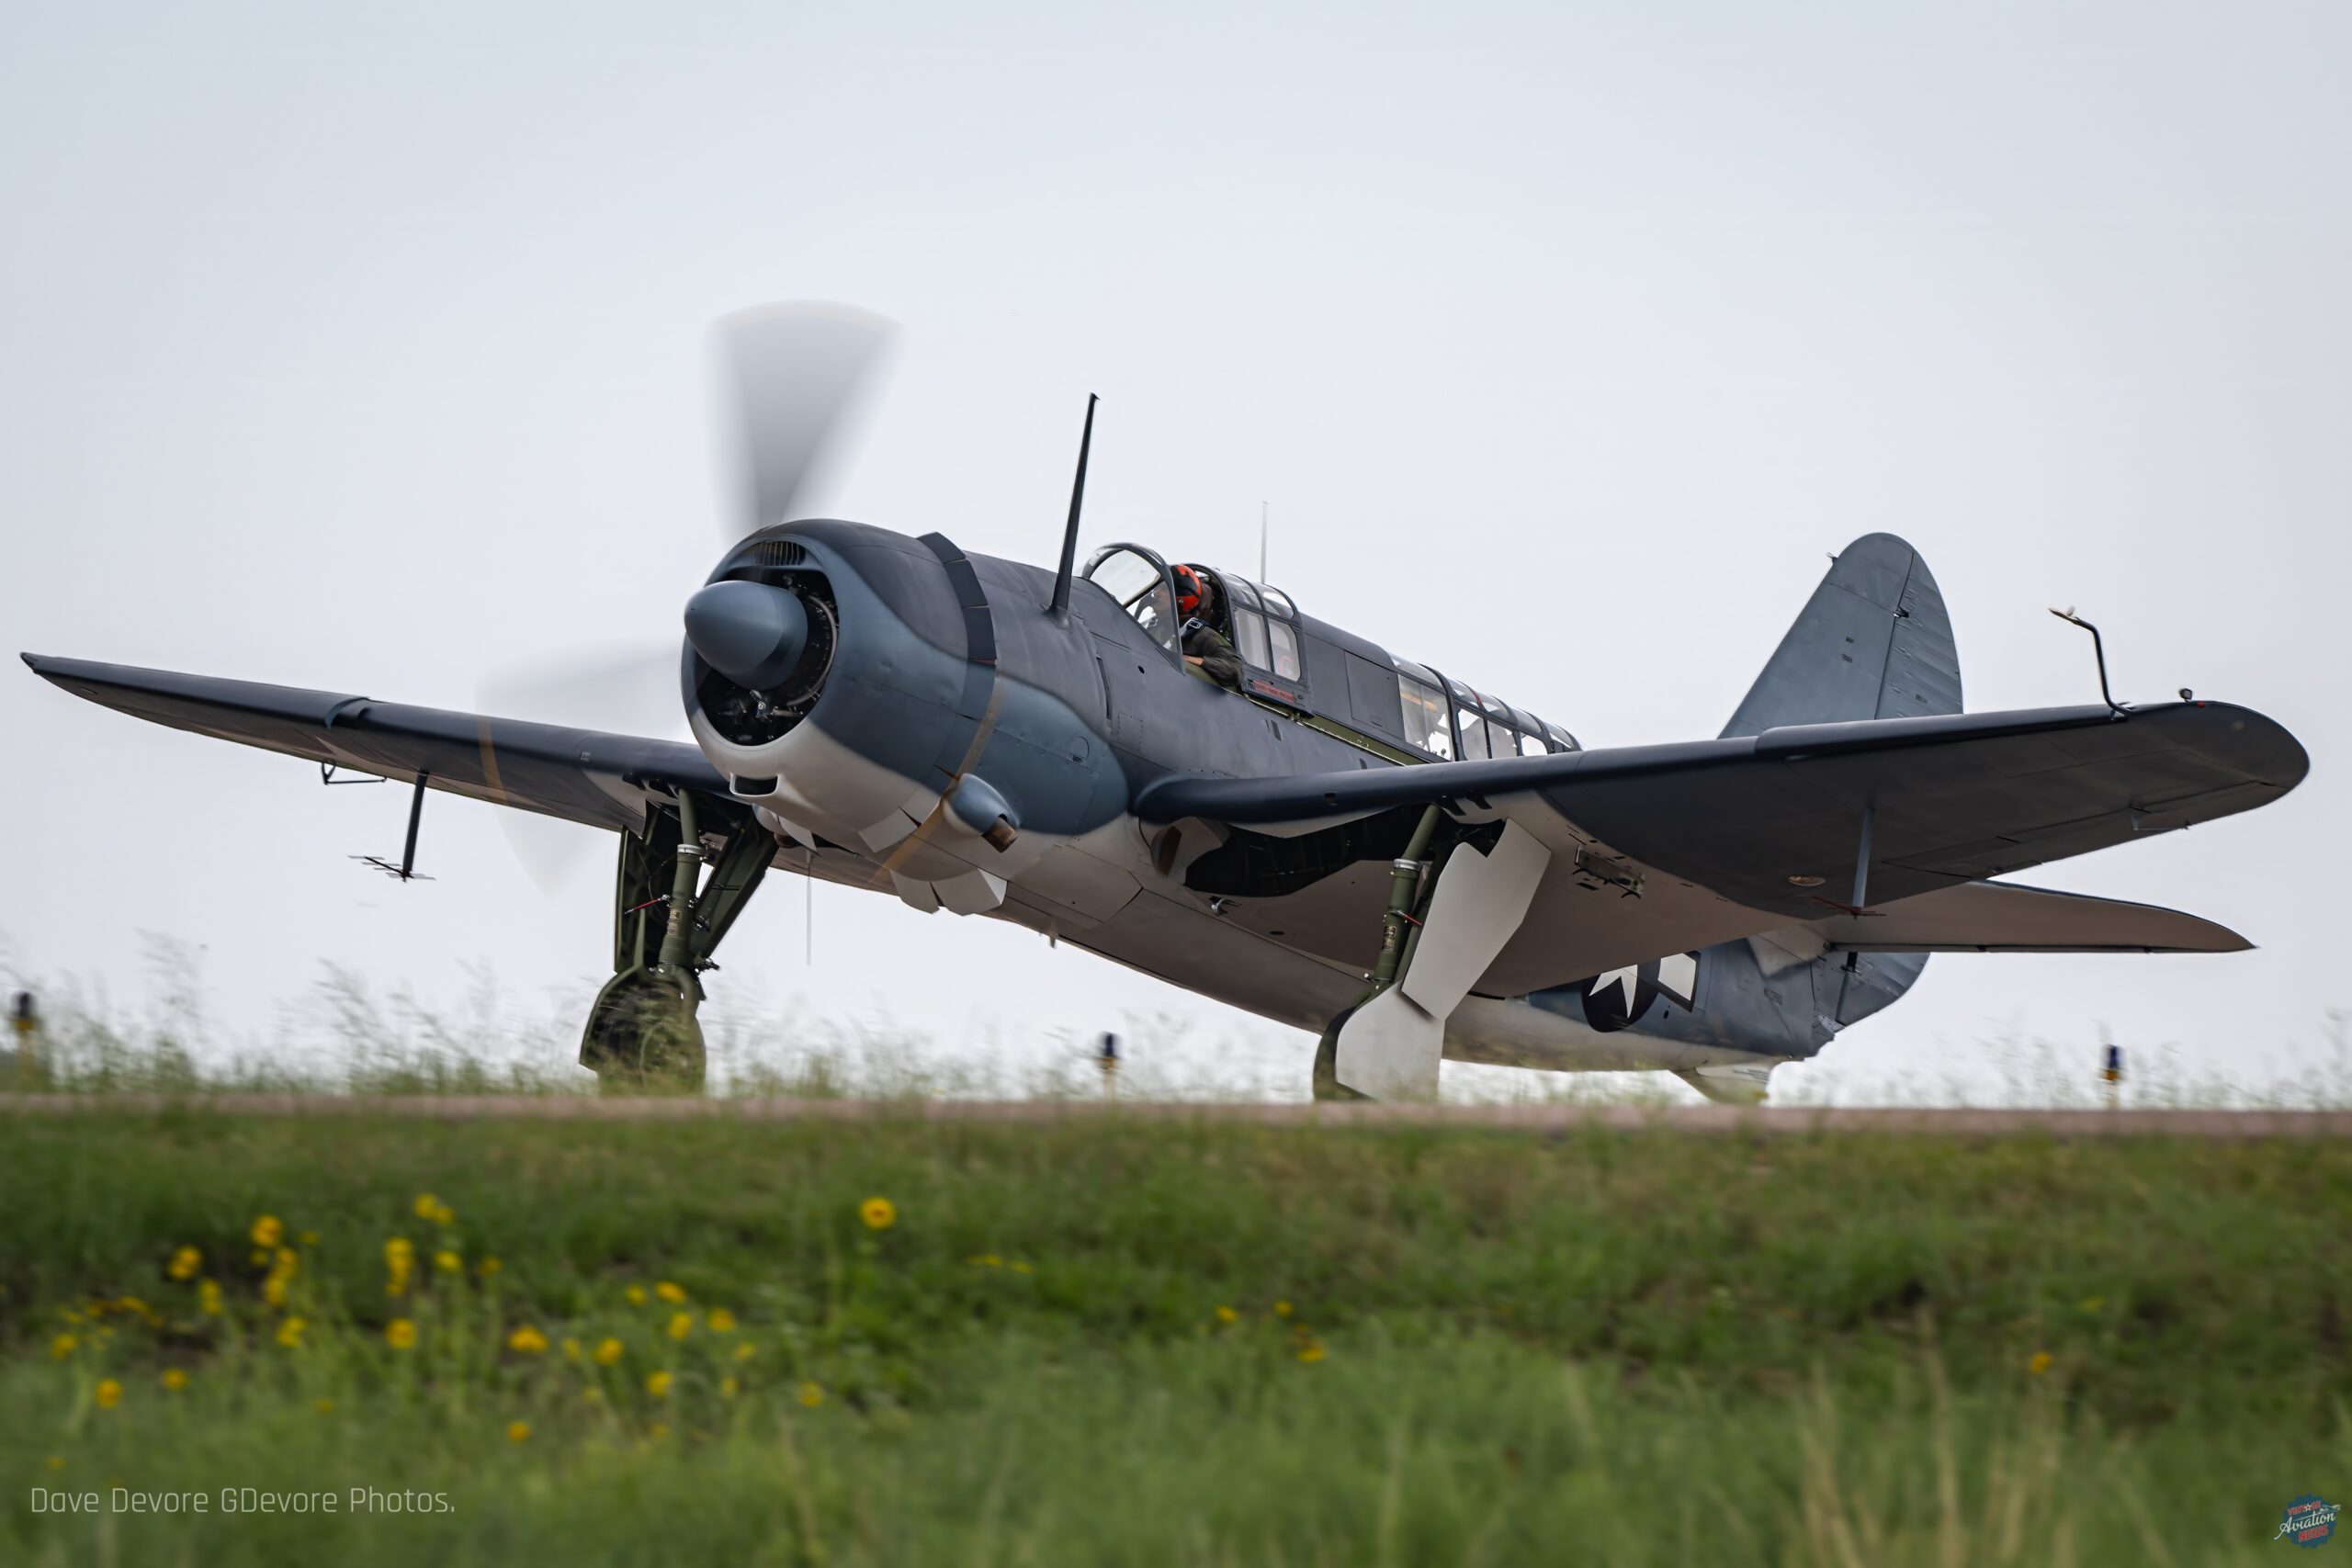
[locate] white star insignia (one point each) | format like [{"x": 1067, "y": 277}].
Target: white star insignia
[{"x": 1626, "y": 979}]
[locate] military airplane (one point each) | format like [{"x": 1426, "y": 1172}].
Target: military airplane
[{"x": 1332, "y": 835}]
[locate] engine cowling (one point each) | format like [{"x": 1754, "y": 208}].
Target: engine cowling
[{"x": 817, "y": 678}]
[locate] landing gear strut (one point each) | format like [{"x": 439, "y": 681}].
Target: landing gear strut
[
  {"x": 642, "y": 1034},
  {"x": 1399, "y": 926},
  {"x": 1388, "y": 1045}
]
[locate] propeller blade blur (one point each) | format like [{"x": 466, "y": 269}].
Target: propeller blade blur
[
  {"x": 792, "y": 381},
  {"x": 627, "y": 689}
]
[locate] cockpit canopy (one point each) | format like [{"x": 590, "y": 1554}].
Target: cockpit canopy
[{"x": 1299, "y": 662}]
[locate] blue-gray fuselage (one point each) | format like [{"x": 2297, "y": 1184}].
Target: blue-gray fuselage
[{"x": 953, "y": 704}]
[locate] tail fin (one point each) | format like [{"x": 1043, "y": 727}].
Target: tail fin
[{"x": 1872, "y": 642}]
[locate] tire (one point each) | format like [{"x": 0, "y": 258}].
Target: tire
[{"x": 641, "y": 1039}]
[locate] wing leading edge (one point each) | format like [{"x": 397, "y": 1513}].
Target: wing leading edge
[{"x": 581, "y": 775}]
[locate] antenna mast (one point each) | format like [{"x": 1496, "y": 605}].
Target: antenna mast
[{"x": 1059, "y": 608}]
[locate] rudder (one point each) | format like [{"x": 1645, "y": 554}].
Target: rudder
[{"x": 1875, "y": 642}]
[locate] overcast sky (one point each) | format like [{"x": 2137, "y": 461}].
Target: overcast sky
[{"x": 361, "y": 350}]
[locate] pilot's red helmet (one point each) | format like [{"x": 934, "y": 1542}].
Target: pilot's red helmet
[{"x": 1188, "y": 591}]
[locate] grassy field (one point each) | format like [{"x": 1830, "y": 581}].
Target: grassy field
[{"x": 1098, "y": 1341}]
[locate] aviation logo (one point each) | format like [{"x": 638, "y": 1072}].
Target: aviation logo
[{"x": 2307, "y": 1521}]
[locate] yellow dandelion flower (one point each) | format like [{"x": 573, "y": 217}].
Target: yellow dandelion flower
[
  {"x": 1282, "y": 1309},
  {"x": 424, "y": 1205},
  {"x": 2038, "y": 1364},
  {"x": 325, "y": 1406},
  {"x": 289, "y": 1333},
  {"x": 488, "y": 1267},
  {"x": 681, "y": 1325},
  {"x": 518, "y": 1431},
  {"x": 257, "y": 1257},
  {"x": 73, "y": 1316},
  {"x": 571, "y": 1349},
  {"x": 880, "y": 1213},
  {"x": 592, "y": 1396},
  {"x": 745, "y": 1352},
  {"x": 636, "y": 1294},
  {"x": 608, "y": 1350},
  {"x": 273, "y": 1291},
  {"x": 401, "y": 1333},
  {"x": 269, "y": 1231},
  {"x": 526, "y": 1339},
  {"x": 728, "y": 1388},
  {"x": 400, "y": 1253},
  {"x": 1018, "y": 1267},
  {"x": 130, "y": 1305},
  {"x": 1226, "y": 1314},
  {"x": 208, "y": 1297},
  {"x": 1311, "y": 1352},
  {"x": 658, "y": 1385},
  {"x": 310, "y": 1238},
  {"x": 57, "y": 1462},
  {"x": 447, "y": 1261},
  {"x": 109, "y": 1394},
  {"x": 656, "y": 1432},
  {"x": 64, "y": 1345},
  {"x": 287, "y": 1262},
  {"x": 444, "y": 1215},
  {"x": 174, "y": 1379},
  {"x": 720, "y": 1320},
  {"x": 2092, "y": 1303},
  {"x": 986, "y": 1260},
  {"x": 670, "y": 1292},
  {"x": 185, "y": 1263},
  {"x": 811, "y": 1395}
]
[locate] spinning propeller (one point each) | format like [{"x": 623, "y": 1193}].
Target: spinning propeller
[{"x": 790, "y": 385}]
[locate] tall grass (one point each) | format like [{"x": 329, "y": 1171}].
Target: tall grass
[
  {"x": 1168, "y": 1341},
  {"x": 342, "y": 1034}
]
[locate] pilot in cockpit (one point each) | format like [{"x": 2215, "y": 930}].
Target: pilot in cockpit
[{"x": 1204, "y": 646}]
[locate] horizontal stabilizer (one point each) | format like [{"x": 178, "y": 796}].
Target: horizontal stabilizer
[{"x": 2001, "y": 917}]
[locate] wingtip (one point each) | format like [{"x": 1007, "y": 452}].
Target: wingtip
[
  {"x": 2267, "y": 750},
  {"x": 2222, "y": 940}
]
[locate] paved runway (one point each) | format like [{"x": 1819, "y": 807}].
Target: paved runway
[{"x": 1542, "y": 1119}]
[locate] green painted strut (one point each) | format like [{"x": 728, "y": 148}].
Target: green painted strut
[
  {"x": 1404, "y": 876},
  {"x": 677, "y": 942}
]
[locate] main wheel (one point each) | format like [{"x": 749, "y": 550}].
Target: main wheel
[{"x": 642, "y": 1038}]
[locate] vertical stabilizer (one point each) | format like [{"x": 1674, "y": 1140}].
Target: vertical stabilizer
[{"x": 1872, "y": 642}]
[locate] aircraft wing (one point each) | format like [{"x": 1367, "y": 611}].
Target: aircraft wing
[
  {"x": 1718, "y": 831},
  {"x": 580, "y": 775}
]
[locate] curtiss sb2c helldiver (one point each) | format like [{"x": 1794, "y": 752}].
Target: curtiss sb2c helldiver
[{"x": 1299, "y": 823}]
